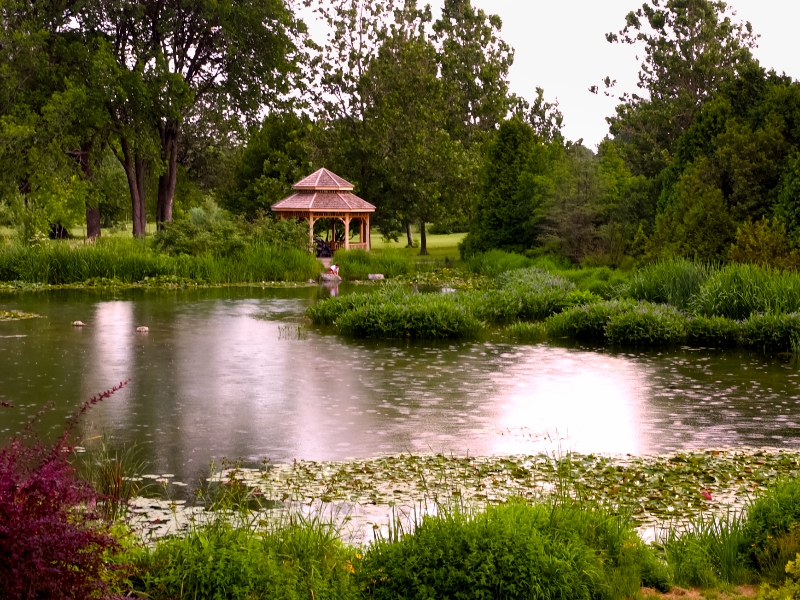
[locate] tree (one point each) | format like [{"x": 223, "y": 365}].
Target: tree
[
  {"x": 231, "y": 57},
  {"x": 691, "y": 49},
  {"x": 515, "y": 183}
]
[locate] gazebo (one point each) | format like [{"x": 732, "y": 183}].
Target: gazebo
[{"x": 325, "y": 195}]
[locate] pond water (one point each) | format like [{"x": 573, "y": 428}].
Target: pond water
[{"x": 223, "y": 373}]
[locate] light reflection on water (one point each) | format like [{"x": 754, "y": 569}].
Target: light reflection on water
[{"x": 213, "y": 378}]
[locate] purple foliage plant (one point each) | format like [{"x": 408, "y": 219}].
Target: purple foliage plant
[{"x": 53, "y": 540}]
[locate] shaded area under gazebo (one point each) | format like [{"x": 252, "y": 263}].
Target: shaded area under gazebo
[{"x": 325, "y": 195}]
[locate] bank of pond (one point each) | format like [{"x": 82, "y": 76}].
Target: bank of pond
[{"x": 668, "y": 303}]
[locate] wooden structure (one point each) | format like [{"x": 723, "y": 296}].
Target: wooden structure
[{"x": 325, "y": 195}]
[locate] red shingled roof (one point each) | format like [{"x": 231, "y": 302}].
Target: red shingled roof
[
  {"x": 324, "y": 201},
  {"x": 323, "y": 180},
  {"x": 323, "y": 191}
]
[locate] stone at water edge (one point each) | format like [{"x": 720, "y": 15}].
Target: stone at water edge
[
  {"x": 78, "y": 323},
  {"x": 375, "y": 277},
  {"x": 142, "y": 329},
  {"x": 311, "y": 281}
]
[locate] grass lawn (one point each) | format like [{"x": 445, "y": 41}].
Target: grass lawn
[{"x": 440, "y": 247}]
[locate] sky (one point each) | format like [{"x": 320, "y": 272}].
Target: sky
[{"x": 560, "y": 46}]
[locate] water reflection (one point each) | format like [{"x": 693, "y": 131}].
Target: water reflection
[{"x": 215, "y": 378}]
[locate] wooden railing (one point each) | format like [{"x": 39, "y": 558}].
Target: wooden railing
[{"x": 334, "y": 246}]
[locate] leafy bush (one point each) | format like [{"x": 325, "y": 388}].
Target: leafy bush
[
  {"x": 513, "y": 551},
  {"x": 495, "y": 262},
  {"x": 601, "y": 281},
  {"x": 771, "y": 332},
  {"x": 358, "y": 264},
  {"x": 53, "y": 543},
  {"x": 221, "y": 561},
  {"x": 210, "y": 230},
  {"x": 764, "y": 243},
  {"x": 790, "y": 589},
  {"x": 718, "y": 332},
  {"x": 646, "y": 324},
  {"x": 708, "y": 552},
  {"x": 672, "y": 282},
  {"x": 737, "y": 291},
  {"x": 586, "y": 323},
  {"x": 772, "y": 529}
]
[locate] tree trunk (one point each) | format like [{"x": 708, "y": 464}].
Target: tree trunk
[
  {"x": 167, "y": 180},
  {"x": 92, "y": 212},
  {"x": 410, "y": 236},
  {"x": 423, "y": 240},
  {"x": 135, "y": 172}
]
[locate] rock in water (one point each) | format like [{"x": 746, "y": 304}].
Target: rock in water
[
  {"x": 374, "y": 277},
  {"x": 330, "y": 277},
  {"x": 78, "y": 323},
  {"x": 142, "y": 329}
]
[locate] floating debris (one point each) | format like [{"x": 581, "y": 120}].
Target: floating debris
[
  {"x": 17, "y": 315},
  {"x": 78, "y": 324},
  {"x": 142, "y": 329}
]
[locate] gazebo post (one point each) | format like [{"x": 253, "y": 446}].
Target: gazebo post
[
  {"x": 347, "y": 231},
  {"x": 369, "y": 235},
  {"x": 311, "y": 228}
]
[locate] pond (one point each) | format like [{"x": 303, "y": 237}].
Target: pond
[{"x": 225, "y": 373}]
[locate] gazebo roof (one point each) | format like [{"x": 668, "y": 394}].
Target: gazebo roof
[
  {"x": 323, "y": 180},
  {"x": 323, "y": 191}
]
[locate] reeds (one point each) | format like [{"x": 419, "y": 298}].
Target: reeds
[
  {"x": 674, "y": 282},
  {"x": 132, "y": 261}
]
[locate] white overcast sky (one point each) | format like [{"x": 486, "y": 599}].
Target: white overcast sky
[{"x": 560, "y": 46}]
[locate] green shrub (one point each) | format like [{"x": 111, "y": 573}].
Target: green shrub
[
  {"x": 708, "y": 552},
  {"x": 358, "y": 264},
  {"x": 772, "y": 529},
  {"x": 220, "y": 561},
  {"x": 513, "y": 551},
  {"x": 588, "y": 322},
  {"x": 718, "y": 332},
  {"x": 673, "y": 282},
  {"x": 737, "y": 291},
  {"x": 646, "y": 324},
  {"x": 771, "y": 332},
  {"x": 790, "y": 590},
  {"x": 495, "y": 262},
  {"x": 527, "y": 332}
]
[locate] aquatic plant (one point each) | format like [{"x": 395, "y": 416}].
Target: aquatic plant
[
  {"x": 134, "y": 261},
  {"x": 737, "y": 291},
  {"x": 53, "y": 541},
  {"x": 587, "y": 323},
  {"x": 358, "y": 264},
  {"x": 527, "y": 332},
  {"x": 717, "y": 332},
  {"x": 495, "y": 262},
  {"x": 556, "y": 549},
  {"x": 673, "y": 282},
  {"x": 17, "y": 315},
  {"x": 648, "y": 325},
  {"x": 771, "y": 332}
]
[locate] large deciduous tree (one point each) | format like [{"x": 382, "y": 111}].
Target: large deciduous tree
[{"x": 232, "y": 57}]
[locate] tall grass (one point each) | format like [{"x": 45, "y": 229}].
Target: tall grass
[
  {"x": 495, "y": 262},
  {"x": 708, "y": 551},
  {"x": 673, "y": 282},
  {"x": 131, "y": 261},
  {"x": 358, "y": 264}
]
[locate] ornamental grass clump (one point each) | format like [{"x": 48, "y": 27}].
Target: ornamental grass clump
[
  {"x": 673, "y": 282},
  {"x": 707, "y": 551},
  {"x": 647, "y": 325},
  {"x": 737, "y": 291},
  {"x": 54, "y": 543},
  {"x": 527, "y": 332},
  {"x": 558, "y": 549}
]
